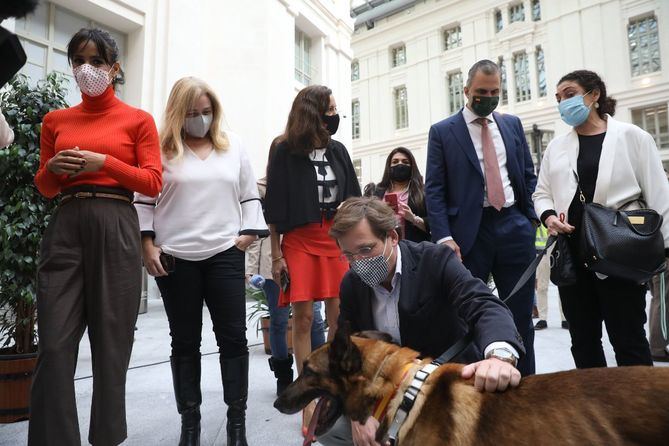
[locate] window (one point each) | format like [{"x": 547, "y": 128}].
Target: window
[
  {"x": 455, "y": 91},
  {"x": 399, "y": 56},
  {"x": 302, "y": 57},
  {"x": 538, "y": 141},
  {"x": 517, "y": 13},
  {"x": 644, "y": 46},
  {"x": 355, "y": 119},
  {"x": 521, "y": 69},
  {"x": 355, "y": 70},
  {"x": 499, "y": 21},
  {"x": 357, "y": 166},
  {"x": 655, "y": 121},
  {"x": 401, "y": 108},
  {"x": 45, "y": 35},
  {"x": 452, "y": 38},
  {"x": 541, "y": 72},
  {"x": 504, "y": 96},
  {"x": 536, "y": 10}
]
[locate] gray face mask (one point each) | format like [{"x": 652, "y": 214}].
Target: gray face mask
[
  {"x": 198, "y": 126},
  {"x": 373, "y": 270}
]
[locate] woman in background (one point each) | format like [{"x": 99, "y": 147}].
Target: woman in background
[{"x": 403, "y": 182}]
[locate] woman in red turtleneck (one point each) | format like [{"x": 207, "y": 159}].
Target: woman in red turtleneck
[{"x": 94, "y": 156}]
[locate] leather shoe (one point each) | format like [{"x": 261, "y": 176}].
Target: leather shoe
[
  {"x": 660, "y": 358},
  {"x": 565, "y": 325},
  {"x": 540, "y": 325}
]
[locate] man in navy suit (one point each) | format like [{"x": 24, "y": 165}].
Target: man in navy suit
[{"x": 479, "y": 183}]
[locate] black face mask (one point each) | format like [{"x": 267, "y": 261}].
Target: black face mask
[
  {"x": 331, "y": 123},
  {"x": 400, "y": 172},
  {"x": 484, "y": 105}
]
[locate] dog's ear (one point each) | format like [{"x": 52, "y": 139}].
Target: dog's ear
[
  {"x": 345, "y": 358},
  {"x": 374, "y": 334}
]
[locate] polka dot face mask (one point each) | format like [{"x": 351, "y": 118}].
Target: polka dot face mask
[{"x": 92, "y": 81}]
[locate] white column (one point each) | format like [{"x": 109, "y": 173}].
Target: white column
[{"x": 510, "y": 80}]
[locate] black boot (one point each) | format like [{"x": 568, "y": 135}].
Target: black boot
[
  {"x": 283, "y": 371},
  {"x": 235, "y": 374},
  {"x": 186, "y": 378}
]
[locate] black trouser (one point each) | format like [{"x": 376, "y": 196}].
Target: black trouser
[
  {"x": 621, "y": 304},
  {"x": 89, "y": 276},
  {"x": 217, "y": 281}
]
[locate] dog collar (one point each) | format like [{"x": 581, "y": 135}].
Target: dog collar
[
  {"x": 408, "y": 400},
  {"x": 381, "y": 406}
]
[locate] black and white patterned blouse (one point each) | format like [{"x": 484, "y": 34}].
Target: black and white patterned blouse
[{"x": 326, "y": 181}]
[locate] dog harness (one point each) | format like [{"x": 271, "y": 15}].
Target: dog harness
[
  {"x": 381, "y": 407},
  {"x": 409, "y": 400}
]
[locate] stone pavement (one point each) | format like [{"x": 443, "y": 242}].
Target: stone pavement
[{"x": 152, "y": 417}]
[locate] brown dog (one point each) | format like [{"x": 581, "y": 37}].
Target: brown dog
[{"x": 606, "y": 406}]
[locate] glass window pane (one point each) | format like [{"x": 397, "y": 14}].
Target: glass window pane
[
  {"x": 452, "y": 38},
  {"x": 455, "y": 92},
  {"x": 59, "y": 64},
  {"x": 502, "y": 69},
  {"x": 644, "y": 46},
  {"x": 522, "y": 72},
  {"x": 541, "y": 72},
  {"x": 66, "y": 24},
  {"x": 536, "y": 10},
  {"x": 35, "y": 52},
  {"x": 35, "y": 24},
  {"x": 517, "y": 13},
  {"x": 355, "y": 119},
  {"x": 398, "y": 56},
  {"x": 355, "y": 70},
  {"x": 499, "y": 21},
  {"x": 401, "y": 108}
]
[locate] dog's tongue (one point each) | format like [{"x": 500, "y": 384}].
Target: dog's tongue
[{"x": 314, "y": 422}]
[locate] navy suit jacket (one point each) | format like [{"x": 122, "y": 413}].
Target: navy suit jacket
[
  {"x": 455, "y": 187},
  {"x": 439, "y": 302}
]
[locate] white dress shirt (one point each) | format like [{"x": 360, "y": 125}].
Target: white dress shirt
[
  {"x": 475, "y": 135},
  {"x": 385, "y": 309}
]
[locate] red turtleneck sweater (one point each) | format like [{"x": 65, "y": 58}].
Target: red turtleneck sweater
[{"x": 103, "y": 124}]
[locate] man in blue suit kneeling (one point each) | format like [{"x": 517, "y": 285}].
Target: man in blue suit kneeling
[{"x": 479, "y": 184}]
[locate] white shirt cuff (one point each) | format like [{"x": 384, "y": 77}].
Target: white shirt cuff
[
  {"x": 445, "y": 239},
  {"x": 501, "y": 344}
]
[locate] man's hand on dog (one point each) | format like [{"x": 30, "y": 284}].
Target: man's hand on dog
[
  {"x": 492, "y": 375},
  {"x": 365, "y": 434}
]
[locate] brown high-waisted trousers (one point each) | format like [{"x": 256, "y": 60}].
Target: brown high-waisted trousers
[{"x": 89, "y": 277}]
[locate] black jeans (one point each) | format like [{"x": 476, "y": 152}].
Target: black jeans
[
  {"x": 621, "y": 304},
  {"x": 217, "y": 281}
]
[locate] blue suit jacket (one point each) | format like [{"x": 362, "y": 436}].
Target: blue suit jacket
[{"x": 455, "y": 187}]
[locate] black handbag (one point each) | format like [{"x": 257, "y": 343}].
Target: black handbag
[
  {"x": 563, "y": 266},
  {"x": 627, "y": 244}
]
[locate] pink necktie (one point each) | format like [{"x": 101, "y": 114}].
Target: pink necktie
[{"x": 493, "y": 179}]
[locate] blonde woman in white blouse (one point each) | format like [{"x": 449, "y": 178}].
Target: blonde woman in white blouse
[{"x": 194, "y": 235}]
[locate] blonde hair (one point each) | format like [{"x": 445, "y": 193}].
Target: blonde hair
[{"x": 184, "y": 93}]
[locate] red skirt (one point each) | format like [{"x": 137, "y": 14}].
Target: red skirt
[{"x": 314, "y": 264}]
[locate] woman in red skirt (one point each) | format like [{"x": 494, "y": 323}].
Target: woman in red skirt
[{"x": 308, "y": 176}]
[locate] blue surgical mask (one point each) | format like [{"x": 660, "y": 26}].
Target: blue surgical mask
[{"x": 573, "y": 111}]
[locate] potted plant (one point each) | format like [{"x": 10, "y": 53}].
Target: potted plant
[
  {"x": 260, "y": 315},
  {"x": 24, "y": 217}
]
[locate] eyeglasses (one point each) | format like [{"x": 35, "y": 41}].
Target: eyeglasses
[{"x": 362, "y": 253}]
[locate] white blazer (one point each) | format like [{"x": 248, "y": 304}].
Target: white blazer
[{"x": 629, "y": 168}]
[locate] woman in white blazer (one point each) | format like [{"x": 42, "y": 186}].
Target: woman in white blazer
[{"x": 616, "y": 163}]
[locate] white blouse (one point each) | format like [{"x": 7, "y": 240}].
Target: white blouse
[{"x": 205, "y": 204}]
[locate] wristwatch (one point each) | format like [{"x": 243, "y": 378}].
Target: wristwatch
[{"x": 503, "y": 354}]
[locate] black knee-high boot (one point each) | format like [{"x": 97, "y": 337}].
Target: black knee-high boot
[
  {"x": 186, "y": 377},
  {"x": 235, "y": 374}
]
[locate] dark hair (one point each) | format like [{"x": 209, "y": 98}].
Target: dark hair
[
  {"x": 305, "y": 128},
  {"x": 416, "y": 186},
  {"x": 589, "y": 80},
  {"x": 105, "y": 44},
  {"x": 485, "y": 66},
  {"x": 379, "y": 215}
]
